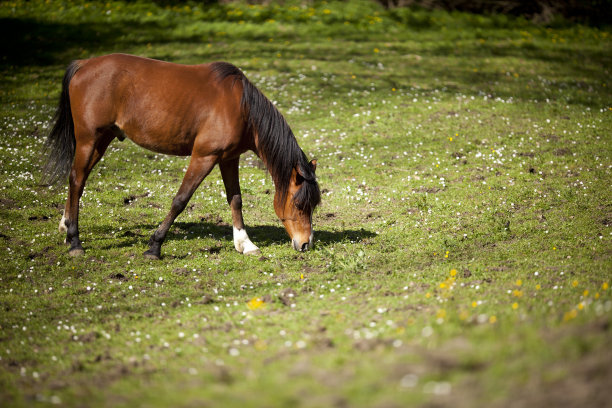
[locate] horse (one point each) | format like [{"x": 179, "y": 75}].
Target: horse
[{"x": 211, "y": 112}]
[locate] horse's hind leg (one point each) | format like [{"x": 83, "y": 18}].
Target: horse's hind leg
[
  {"x": 100, "y": 146},
  {"x": 87, "y": 154},
  {"x": 229, "y": 172},
  {"x": 198, "y": 169}
]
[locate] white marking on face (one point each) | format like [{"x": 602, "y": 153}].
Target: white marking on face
[{"x": 242, "y": 243}]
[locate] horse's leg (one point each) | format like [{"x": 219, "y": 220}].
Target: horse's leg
[
  {"x": 198, "y": 169},
  {"x": 98, "y": 152},
  {"x": 88, "y": 151},
  {"x": 229, "y": 172}
]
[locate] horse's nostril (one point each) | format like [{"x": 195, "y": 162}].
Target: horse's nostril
[{"x": 305, "y": 246}]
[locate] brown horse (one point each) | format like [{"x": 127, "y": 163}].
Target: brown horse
[{"x": 211, "y": 112}]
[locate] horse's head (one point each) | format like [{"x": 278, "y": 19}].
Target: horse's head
[{"x": 296, "y": 207}]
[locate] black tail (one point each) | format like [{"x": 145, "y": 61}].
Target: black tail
[{"x": 60, "y": 142}]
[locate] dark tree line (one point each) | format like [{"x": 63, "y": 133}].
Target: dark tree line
[
  {"x": 593, "y": 12},
  {"x": 596, "y": 12}
]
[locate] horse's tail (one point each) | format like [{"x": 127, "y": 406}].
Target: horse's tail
[{"x": 61, "y": 141}]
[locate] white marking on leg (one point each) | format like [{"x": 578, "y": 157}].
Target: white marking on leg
[
  {"x": 62, "y": 225},
  {"x": 242, "y": 243}
]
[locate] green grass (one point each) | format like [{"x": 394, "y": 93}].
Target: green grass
[{"x": 463, "y": 250}]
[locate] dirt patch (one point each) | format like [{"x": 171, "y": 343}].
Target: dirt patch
[
  {"x": 181, "y": 271},
  {"x": 130, "y": 234},
  {"x": 371, "y": 344},
  {"x": 308, "y": 270},
  {"x": 581, "y": 383},
  {"x": 429, "y": 190},
  {"x": 586, "y": 385},
  {"x": 214, "y": 219},
  {"x": 212, "y": 250},
  {"x": 205, "y": 300},
  {"x": 7, "y": 203},
  {"x": 287, "y": 296},
  {"x": 50, "y": 257},
  {"x": 89, "y": 337},
  {"x": 131, "y": 198},
  {"x": 36, "y": 217},
  {"x": 562, "y": 152}
]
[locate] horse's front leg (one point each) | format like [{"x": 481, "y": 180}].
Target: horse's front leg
[
  {"x": 198, "y": 169},
  {"x": 229, "y": 172}
]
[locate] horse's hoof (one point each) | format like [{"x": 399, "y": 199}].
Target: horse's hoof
[
  {"x": 252, "y": 252},
  {"x": 151, "y": 255},
  {"x": 76, "y": 252}
]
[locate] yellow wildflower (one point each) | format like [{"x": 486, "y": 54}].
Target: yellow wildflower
[
  {"x": 519, "y": 282},
  {"x": 256, "y": 303},
  {"x": 453, "y": 272},
  {"x": 605, "y": 286},
  {"x": 514, "y": 306},
  {"x": 570, "y": 315},
  {"x": 261, "y": 345},
  {"x": 575, "y": 283},
  {"x": 492, "y": 319}
]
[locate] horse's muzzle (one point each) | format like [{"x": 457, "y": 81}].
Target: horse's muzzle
[{"x": 303, "y": 245}]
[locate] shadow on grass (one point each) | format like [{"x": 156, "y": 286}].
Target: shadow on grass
[
  {"x": 43, "y": 43},
  {"x": 261, "y": 235},
  {"x": 34, "y": 42}
]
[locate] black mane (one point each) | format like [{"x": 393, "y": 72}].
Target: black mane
[{"x": 276, "y": 143}]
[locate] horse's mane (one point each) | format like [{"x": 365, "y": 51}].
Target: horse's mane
[{"x": 276, "y": 143}]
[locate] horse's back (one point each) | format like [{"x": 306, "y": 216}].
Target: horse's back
[{"x": 159, "y": 105}]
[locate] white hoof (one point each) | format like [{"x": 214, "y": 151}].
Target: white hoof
[
  {"x": 243, "y": 244},
  {"x": 62, "y": 225}
]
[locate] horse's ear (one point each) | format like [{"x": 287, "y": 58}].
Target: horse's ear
[
  {"x": 313, "y": 163},
  {"x": 300, "y": 171}
]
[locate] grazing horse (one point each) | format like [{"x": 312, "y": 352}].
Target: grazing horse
[{"x": 210, "y": 111}]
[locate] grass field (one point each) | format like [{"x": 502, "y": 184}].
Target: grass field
[{"x": 463, "y": 244}]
